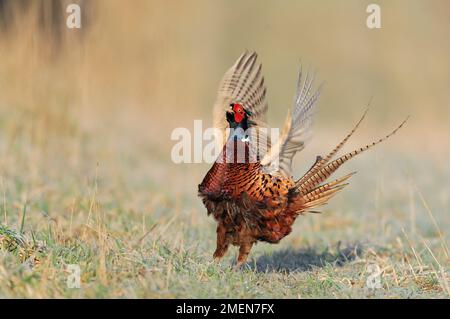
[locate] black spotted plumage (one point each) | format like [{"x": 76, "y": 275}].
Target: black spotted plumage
[{"x": 256, "y": 200}]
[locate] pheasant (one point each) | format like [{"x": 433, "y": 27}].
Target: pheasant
[{"x": 254, "y": 197}]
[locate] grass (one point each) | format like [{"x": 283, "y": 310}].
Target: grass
[
  {"x": 135, "y": 238},
  {"x": 86, "y": 176}
]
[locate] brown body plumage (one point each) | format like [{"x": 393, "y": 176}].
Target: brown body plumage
[{"x": 253, "y": 200}]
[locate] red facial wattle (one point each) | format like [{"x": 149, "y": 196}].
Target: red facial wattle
[{"x": 239, "y": 113}]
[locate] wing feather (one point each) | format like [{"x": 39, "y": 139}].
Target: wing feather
[
  {"x": 243, "y": 83},
  {"x": 295, "y": 130}
]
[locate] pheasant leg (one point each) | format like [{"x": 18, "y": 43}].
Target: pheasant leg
[
  {"x": 244, "y": 250},
  {"x": 222, "y": 242}
]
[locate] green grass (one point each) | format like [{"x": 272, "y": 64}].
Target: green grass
[{"x": 135, "y": 227}]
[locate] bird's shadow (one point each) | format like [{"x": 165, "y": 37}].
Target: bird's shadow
[{"x": 292, "y": 260}]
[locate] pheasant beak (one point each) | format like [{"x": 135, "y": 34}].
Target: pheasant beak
[{"x": 230, "y": 113}]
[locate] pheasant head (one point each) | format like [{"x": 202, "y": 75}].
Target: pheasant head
[{"x": 238, "y": 116}]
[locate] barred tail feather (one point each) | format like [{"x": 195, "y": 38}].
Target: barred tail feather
[
  {"x": 320, "y": 162},
  {"x": 312, "y": 195},
  {"x": 321, "y": 194},
  {"x": 327, "y": 170}
]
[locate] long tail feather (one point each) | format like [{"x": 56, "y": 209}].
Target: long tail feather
[
  {"x": 323, "y": 188},
  {"x": 320, "y": 194},
  {"x": 320, "y": 162},
  {"x": 325, "y": 171}
]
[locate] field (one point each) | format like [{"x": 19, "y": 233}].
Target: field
[{"x": 86, "y": 176}]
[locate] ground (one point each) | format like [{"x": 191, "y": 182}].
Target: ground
[{"x": 136, "y": 228}]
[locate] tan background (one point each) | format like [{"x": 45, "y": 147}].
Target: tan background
[{"x": 85, "y": 123}]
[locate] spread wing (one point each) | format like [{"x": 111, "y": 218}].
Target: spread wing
[
  {"x": 242, "y": 83},
  {"x": 295, "y": 130}
]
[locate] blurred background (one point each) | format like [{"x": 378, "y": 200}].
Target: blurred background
[
  {"x": 102, "y": 100},
  {"x": 85, "y": 151}
]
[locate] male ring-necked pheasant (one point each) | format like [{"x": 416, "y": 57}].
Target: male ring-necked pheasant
[{"x": 258, "y": 200}]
